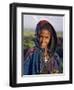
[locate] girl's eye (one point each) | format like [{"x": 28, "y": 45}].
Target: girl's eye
[{"x": 46, "y": 37}]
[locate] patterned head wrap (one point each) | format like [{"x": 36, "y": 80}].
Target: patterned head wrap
[{"x": 43, "y": 24}]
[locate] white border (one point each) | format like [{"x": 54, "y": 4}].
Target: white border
[{"x": 43, "y": 78}]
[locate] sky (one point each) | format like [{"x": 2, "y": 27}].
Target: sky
[{"x": 30, "y": 21}]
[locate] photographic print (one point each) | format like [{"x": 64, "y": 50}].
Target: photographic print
[{"x": 40, "y": 44}]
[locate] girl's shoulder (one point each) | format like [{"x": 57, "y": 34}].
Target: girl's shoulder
[
  {"x": 29, "y": 52},
  {"x": 55, "y": 58}
]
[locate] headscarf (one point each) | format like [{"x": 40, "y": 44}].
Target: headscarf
[{"x": 43, "y": 24}]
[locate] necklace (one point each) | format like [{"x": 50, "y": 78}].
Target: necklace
[{"x": 46, "y": 60}]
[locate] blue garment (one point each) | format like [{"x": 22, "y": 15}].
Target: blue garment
[{"x": 34, "y": 63}]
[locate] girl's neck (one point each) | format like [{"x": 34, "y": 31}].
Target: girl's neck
[{"x": 46, "y": 52}]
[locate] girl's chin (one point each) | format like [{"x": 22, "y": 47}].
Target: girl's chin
[{"x": 43, "y": 47}]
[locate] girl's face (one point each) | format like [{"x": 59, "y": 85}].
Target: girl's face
[{"x": 45, "y": 36}]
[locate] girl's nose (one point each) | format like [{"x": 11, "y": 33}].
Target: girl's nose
[{"x": 43, "y": 39}]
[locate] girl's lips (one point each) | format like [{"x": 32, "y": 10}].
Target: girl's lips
[{"x": 43, "y": 45}]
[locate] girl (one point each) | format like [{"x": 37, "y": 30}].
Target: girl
[{"x": 42, "y": 59}]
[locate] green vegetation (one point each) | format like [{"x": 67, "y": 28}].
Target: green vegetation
[{"x": 28, "y": 39}]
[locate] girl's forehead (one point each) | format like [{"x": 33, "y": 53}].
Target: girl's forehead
[{"x": 45, "y": 31}]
